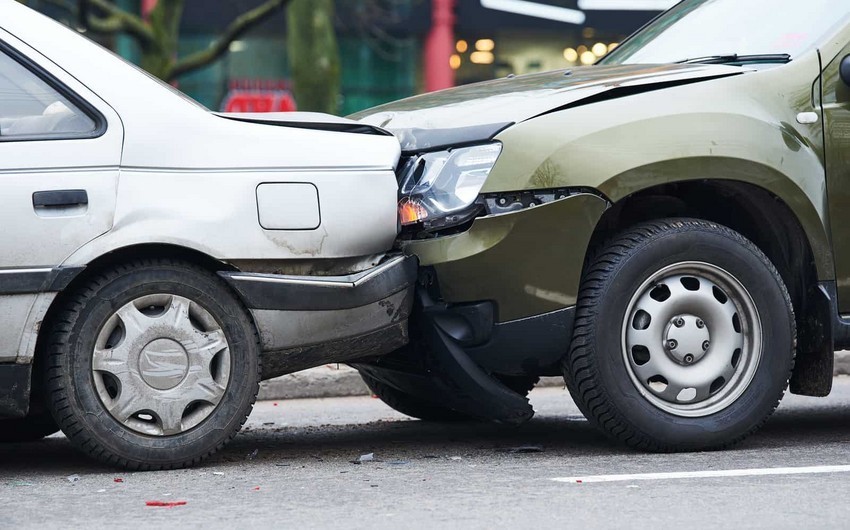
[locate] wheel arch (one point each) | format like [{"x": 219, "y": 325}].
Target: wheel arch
[
  {"x": 44, "y": 316},
  {"x": 773, "y": 226}
]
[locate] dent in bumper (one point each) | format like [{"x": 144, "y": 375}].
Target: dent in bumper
[
  {"x": 528, "y": 262},
  {"x": 309, "y": 321}
]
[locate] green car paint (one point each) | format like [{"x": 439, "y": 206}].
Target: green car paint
[
  {"x": 545, "y": 265},
  {"x": 623, "y": 129},
  {"x": 836, "y": 109}
]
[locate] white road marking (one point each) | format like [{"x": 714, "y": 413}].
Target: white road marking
[{"x": 707, "y": 474}]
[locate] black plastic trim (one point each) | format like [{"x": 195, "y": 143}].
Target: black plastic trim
[
  {"x": 90, "y": 110},
  {"x": 321, "y": 293},
  {"x": 59, "y": 198},
  {"x": 840, "y": 324},
  {"x": 15, "y": 381},
  {"x": 31, "y": 281},
  {"x": 341, "y": 127},
  {"x": 532, "y": 346}
]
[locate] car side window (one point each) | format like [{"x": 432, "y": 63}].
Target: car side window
[{"x": 31, "y": 109}]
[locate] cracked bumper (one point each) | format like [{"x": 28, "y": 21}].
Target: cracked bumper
[{"x": 307, "y": 321}]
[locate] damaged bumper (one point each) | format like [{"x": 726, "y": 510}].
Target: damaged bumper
[{"x": 307, "y": 321}]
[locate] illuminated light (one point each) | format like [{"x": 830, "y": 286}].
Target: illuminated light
[
  {"x": 587, "y": 58},
  {"x": 627, "y": 5},
  {"x": 485, "y": 45},
  {"x": 455, "y": 61},
  {"x": 536, "y": 9},
  {"x": 482, "y": 57},
  {"x": 571, "y": 55},
  {"x": 599, "y": 49},
  {"x": 410, "y": 212},
  {"x": 237, "y": 46},
  {"x": 581, "y": 49},
  {"x": 462, "y": 46},
  {"x": 588, "y": 33},
  {"x": 612, "y": 46}
]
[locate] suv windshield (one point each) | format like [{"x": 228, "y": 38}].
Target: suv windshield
[{"x": 710, "y": 28}]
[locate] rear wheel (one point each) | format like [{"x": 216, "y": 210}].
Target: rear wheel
[
  {"x": 152, "y": 365},
  {"x": 424, "y": 409},
  {"x": 705, "y": 337}
]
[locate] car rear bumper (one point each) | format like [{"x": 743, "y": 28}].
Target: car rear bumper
[{"x": 307, "y": 321}]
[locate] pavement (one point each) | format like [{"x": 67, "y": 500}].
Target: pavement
[
  {"x": 292, "y": 467},
  {"x": 338, "y": 380}
]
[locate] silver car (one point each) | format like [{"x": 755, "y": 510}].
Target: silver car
[{"x": 158, "y": 260}]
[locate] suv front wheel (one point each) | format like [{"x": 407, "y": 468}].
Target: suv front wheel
[{"x": 705, "y": 337}]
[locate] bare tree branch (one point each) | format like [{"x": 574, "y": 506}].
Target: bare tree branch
[
  {"x": 236, "y": 29},
  {"x": 117, "y": 20}
]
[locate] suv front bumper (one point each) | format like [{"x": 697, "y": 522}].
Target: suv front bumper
[{"x": 307, "y": 321}]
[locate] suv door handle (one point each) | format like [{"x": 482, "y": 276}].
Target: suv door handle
[{"x": 60, "y": 198}]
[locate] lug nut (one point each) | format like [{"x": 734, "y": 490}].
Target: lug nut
[
  {"x": 679, "y": 322},
  {"x": 672, "y": 344},
  {"x": 688, "y": 359},
  {"x": 705, "y": 345},
  {"x": 700, "y": 324}
]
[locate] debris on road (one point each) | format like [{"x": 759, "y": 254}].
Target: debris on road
[
  {"x": 253, "y": 454},
  {"x": 118, "y": 480},
  {"x": 218, "y": 473},
  {"x": 165, "y": 504},
  {"x": 369, "y": 457},
  {"x": 455, "y": 458},
  {"x": 523, "y": 449},
  {"x": 72, "y": 478}
]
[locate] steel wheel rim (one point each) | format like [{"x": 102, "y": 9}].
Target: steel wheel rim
[
  {"x": 161, "y": 364},
  {"x": 679, "y": 366}
]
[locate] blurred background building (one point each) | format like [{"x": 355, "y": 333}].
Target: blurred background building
[{"x": 391, "y": 49}]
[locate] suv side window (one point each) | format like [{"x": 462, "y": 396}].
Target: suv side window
[{"x": 31, "y": 109}]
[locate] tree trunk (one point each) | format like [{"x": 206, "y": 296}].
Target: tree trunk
[{"x": 313, "y": 55}]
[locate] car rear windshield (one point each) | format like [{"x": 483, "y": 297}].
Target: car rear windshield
[{"x": 703, "y": 28}]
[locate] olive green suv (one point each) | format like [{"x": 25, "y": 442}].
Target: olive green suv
[{"x": 669, "y": 228}]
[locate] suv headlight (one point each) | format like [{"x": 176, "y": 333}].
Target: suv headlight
[{"x": 440, "y": 189}]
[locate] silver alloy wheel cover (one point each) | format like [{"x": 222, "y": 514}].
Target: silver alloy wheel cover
[
  {"x": 161, "y": 364},
  {"x": 689, "y": 391}
]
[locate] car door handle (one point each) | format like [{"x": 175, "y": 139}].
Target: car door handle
[{"x": 60, "y": 198}]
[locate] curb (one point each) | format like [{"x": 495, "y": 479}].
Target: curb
[
  {"x": 340, "y": 381},
  {"x": 331, "y": 381}
]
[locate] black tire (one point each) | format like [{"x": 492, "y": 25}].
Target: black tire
[
  {"x": 414, "y": 407},
  {"x": 71, "y": 391},
  {"x": 596, "y": 369},
  {"x": 29, "y": 429}
]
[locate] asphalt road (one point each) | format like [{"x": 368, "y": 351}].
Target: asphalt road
[{"x": 291, "y": 468}]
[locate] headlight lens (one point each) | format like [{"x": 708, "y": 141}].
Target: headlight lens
[{"x": 437, "y": 187}]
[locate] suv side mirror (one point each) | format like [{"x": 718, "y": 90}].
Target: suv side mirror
[{"x": 844, "y": 70}]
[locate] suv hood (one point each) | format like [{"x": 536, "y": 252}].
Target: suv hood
[{"x": 477, "y": 112}]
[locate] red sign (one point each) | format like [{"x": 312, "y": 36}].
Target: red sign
[{"x": 259, "y": 96}]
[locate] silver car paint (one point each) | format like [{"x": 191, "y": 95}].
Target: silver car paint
[{"x": 168, "y": 171}]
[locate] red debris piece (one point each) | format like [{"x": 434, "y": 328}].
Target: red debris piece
[
  {"x": 257, "y": 488},
  {"x": 119, "y": 479},
  {"x": 165, "y": 504},
  {"x": 578, "y": 482},
  {"x": 275, "y": 404}
]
